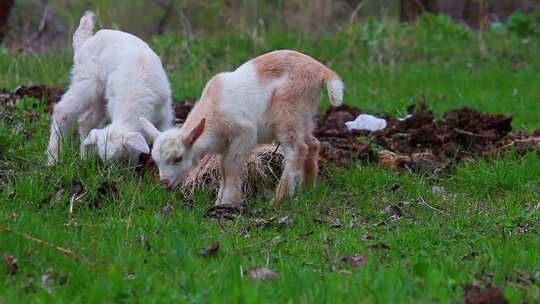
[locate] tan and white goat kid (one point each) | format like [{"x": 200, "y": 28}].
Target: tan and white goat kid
[
  {"x": 114, "y": 74},
  {"x": 272, "y": 97}
]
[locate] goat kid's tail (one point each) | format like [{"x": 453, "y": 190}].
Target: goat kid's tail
[
  {"x": 334, "y": 86},
  {"x": 84, "y": 31}
]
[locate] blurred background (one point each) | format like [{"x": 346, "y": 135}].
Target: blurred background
[
  {"x": 40, "y": 25},
  {"x": 390, "y": 53}
]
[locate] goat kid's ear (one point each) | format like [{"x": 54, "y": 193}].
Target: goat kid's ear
[
  {"x": 91, "y": 139},
  {"x": 135, "y": 141},
  {"x": 149, "y": 128},
  {"x": 195, "y": 133}
]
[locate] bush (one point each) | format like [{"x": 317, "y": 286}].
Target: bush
[{"x": 522, "y": 25}]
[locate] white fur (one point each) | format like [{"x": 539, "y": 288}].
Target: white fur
[
  {"x": 335, "y": 91},
  {"x": 245, "y": 101},
  {"x": 115, "y": 74}
]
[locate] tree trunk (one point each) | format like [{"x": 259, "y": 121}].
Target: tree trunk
[{"x": 5, "y": 8}]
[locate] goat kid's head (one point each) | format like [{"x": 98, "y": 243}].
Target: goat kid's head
[
  {"x": 114, "y": 144},
  {"x": 173, "y": 151}
]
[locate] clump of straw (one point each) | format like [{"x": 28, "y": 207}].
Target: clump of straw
[{"x": 261, "y": 172}]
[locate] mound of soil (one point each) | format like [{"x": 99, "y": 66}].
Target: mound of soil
[
  {"x": 488, "y": 295},
  {"x": 419, "y": 140},
  {"x": 51, "y": 95}
]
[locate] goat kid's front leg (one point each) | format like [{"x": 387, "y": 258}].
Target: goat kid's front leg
[
  {"x": 233, "y": 164},
  {"x": 78, "y": 99},
  {"x": 219, "y": 197}
]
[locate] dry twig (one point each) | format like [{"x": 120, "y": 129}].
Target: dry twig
[{"x": 40, "y": 241}]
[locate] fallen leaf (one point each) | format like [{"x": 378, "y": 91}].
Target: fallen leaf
[
  {"x": 356, "y": 260},
  {"x": 470, "y": 255},
  {"x": 262, "y": 222},
  {"x": 210, "y": 251},
  {"x": 524, "y": 279},
  {"x": 335, "y": 223},
  {"x": 285, "y": 221},
  {"x": 318, "y": 221},
  {"x": 244, "y": 232},
  {"x": 379, "y": 245},
  {"x": 165, "y": 211},
  {"x": 262, "y": 273},
  {"x": 490, "y": 295},
  {"x": 144, "y": 242},
  {"x": 11, "y": 263}
]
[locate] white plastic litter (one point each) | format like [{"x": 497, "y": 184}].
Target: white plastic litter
[
  {"x": 366, "y": 122},
  {"x": 405, "y": 117}
]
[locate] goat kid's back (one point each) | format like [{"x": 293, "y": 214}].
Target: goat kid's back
[{"x": 278, "y": 90}]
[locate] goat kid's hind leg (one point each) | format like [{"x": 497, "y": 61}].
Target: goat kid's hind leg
[
  {"x": 74, "y": 102},
  {"x": 233, "y": 165},
  {"x": 91, "y": 119},
  {"x": 311, "y": 165},
  {"x": 293, "y": 170}
]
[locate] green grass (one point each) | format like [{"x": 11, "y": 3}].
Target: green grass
[{"x": 490, "y": 208}]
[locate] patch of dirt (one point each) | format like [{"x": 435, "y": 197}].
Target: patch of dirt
[
  {"x": 338, "y": 145},
  {"x": 420, "y": 141},
  {"x": 51, "y": 95}
]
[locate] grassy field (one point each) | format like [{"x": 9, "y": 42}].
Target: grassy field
[{"x": 133, "y": 242}]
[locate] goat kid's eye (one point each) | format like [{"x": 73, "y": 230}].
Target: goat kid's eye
[{"x": 177, "y": 159}]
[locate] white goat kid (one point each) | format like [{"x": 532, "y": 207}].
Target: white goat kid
[
  {"x": 114, "y": 74},
  {"x": 272, "y": 97}
]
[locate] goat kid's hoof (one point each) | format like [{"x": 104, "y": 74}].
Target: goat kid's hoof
[{"x": 225, "y": 211}]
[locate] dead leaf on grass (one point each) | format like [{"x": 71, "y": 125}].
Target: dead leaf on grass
[
  {"x": 285, "y": 221},
  {"x": 11, "y": 263},
  {"x": 244, "y": 232},
  {"x": 356, "y": 260},
  {"x": 165, "y": 211},
  {"x": 379, "y": 245},
  {"x": 210, "y": 251},
  {"x": 335, "y": 223},
  {"x": 524, "y": 279},
  {"x": 470, "y": 255},
  {"x": 143, "y": 240},
  {"x": 368, "y": 236}
]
